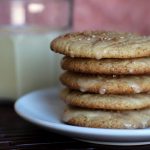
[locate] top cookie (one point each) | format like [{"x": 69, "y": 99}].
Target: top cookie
[{"x": 97, "y": 44}]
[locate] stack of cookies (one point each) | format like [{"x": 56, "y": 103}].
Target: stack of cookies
[{"x": 107, "y": 79}]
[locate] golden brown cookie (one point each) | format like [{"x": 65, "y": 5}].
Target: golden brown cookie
[
  {"x": 109, "y": 102},
  {"x": 106, "y": 84},
  {"x": 107, "y": 119},
  {"x": 107, "y": 66},
  {"x": 97, "y": 44}
]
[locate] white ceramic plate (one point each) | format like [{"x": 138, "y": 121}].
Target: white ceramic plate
[{"x": 44, "y": 108}]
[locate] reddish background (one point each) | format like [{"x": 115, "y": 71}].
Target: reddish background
[{"x": 118, "y": 15}]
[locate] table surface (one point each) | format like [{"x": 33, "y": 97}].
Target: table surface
[{"x": 18, "y": 134}]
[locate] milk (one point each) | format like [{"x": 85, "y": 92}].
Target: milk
[{"x": 26, "y": 62}]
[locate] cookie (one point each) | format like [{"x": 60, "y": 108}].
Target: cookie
[
  {"x": 106, "y": 84},
  {"x": 109, "y": 102},
  {"x": 107, "y": 119},
  {"x": 97, "y": 44},
  {"x": 107, "y": 66}
]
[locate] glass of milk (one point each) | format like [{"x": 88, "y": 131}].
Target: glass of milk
[{"x": 26, "y": 29}]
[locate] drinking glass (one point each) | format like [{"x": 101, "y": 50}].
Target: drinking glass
[{"x": 26, "y": 30}]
